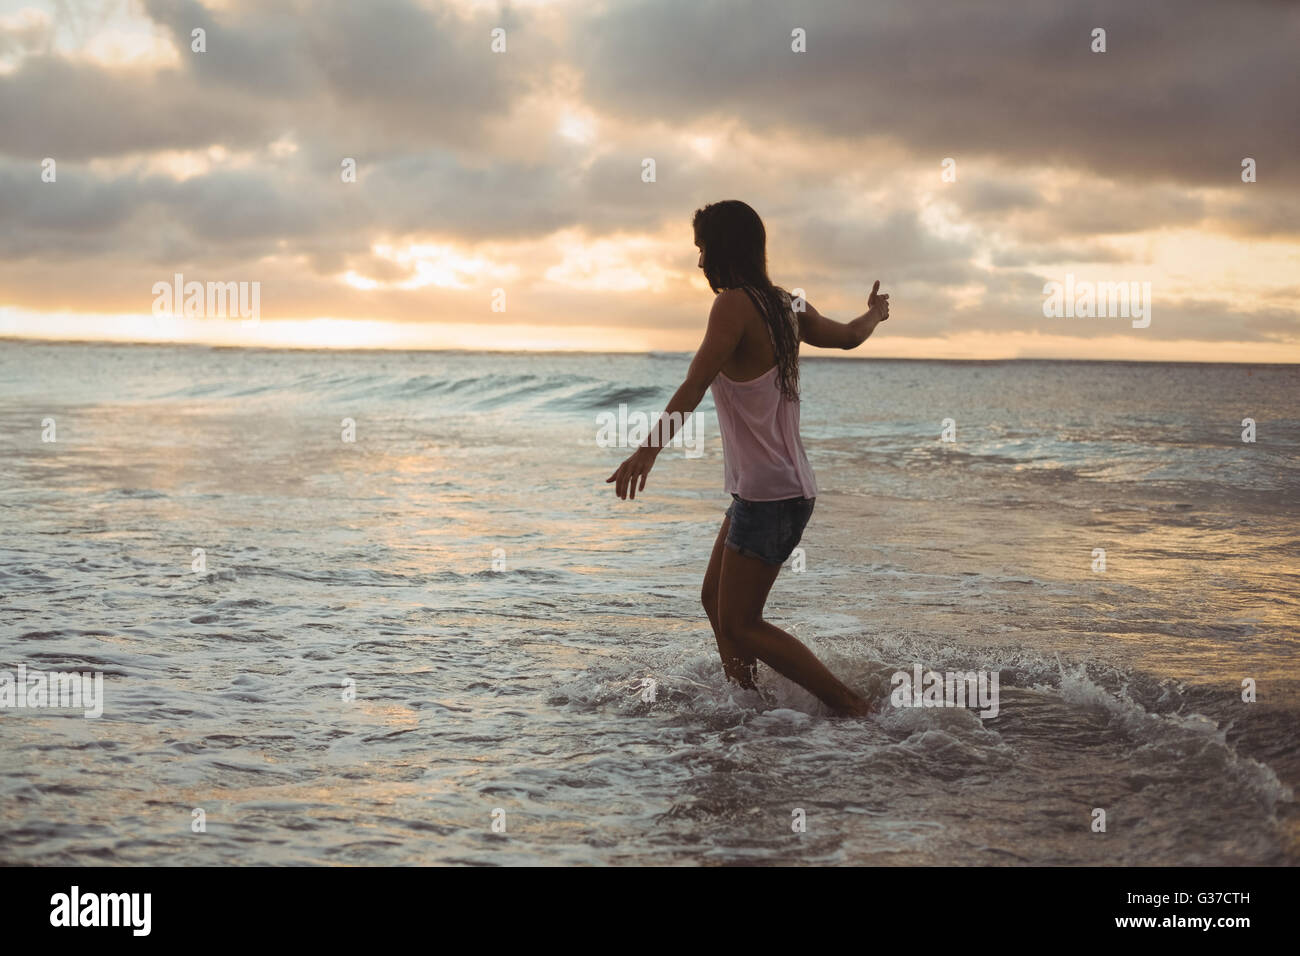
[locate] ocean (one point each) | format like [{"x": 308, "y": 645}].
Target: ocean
[{"x": 445, "y": 641}]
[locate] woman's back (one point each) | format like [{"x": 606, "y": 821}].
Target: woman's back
[
  {"x": 763, "y": 455},
  {"x": 755, "y": 353}
]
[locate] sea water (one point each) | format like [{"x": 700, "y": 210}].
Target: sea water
[{"x": 381, "y": 607}]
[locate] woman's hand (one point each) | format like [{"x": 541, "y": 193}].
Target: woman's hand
[
  {"x": 630, "y": 476},
  {"x": 877, "y": 305}
]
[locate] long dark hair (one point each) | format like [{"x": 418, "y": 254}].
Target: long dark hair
[{"x": 735, "y": 257}]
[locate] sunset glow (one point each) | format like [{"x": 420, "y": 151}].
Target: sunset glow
[{"x": 518, "y": 212}]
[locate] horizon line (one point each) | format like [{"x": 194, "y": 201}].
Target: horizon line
[{"x": 232, "y": 346}]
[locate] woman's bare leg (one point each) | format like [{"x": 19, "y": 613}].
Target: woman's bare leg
[
  {"x": 743, "y": 587},
  {"x": 737, "y": 664}
]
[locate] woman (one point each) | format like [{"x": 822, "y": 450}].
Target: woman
[{"x": 750, "y": 357}]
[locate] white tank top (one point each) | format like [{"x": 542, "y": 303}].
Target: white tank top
[{"x": 763, "y": 455}]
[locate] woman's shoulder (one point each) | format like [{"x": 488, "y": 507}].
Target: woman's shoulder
[
  {"x": 733, "y": 305},
  {"x": 751, "y": 293},
  {"x": 732, "y": 294},
  {"x": 749, "y": 299}
]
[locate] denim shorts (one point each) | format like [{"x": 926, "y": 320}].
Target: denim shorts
[{"x": 767, "y": 530}]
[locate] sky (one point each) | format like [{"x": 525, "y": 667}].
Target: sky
[{"x": 965, "y": 154}]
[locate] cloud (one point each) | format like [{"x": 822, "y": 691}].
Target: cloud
[
  {"x": 528, "y": 163},
  {"x": 1185, "y": 90}
]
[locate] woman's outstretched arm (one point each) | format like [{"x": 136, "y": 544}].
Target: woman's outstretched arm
[
  {"x": 726, "y": 325},
  {"x": 824, "y": 333}
]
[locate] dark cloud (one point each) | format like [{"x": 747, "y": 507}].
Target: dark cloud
[
  {"x": 1056, "y": 147},
  {"x": 895, "y": 247},
  {"x": 1186, "y": 89},
  {"x": 984, "y": 196},
  {"x": 75, "y": 111},
  {"x": 383, "y": 75}
]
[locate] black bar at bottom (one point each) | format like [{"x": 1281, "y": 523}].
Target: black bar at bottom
[{"x": 329, "y": 905}]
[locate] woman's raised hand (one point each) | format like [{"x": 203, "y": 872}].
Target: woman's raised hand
[{"x": 878, "y": 304}]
